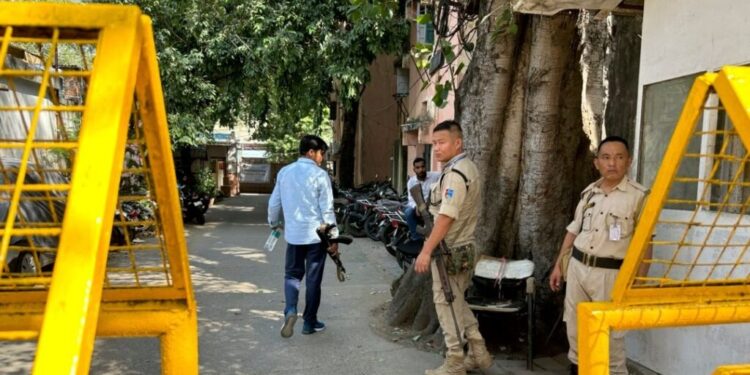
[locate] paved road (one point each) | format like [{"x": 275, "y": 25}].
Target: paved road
[{"x": 239, "y": 289}]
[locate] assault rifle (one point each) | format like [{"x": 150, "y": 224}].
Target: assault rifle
[
  {"x": 439, "y": 254},
  {"x": 324, "y": 233}
]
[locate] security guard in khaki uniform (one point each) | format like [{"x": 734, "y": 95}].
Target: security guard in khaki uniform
[
  {"x": 454, "y": 203},
  {"x": 600, "y": 235}
]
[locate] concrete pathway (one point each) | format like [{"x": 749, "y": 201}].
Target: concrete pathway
[{"x": 239, "y": 289}]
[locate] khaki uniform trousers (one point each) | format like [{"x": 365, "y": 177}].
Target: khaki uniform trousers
[
  {"x": 467, "y": 323},
  {"x": 588, "y": 284}
]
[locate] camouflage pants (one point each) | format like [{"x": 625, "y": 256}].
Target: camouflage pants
[{"x": 461, "y": 259}]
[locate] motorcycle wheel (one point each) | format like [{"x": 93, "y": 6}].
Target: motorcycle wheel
[
  {"x": 353, "y": 228},
  {"x": 390, "y": 250},
  {"x": 23, "y": 263},
  {"x": 372, "y": 227},
  {"x": 339, "y": 212},
  {"x": 403, "y": 262},
  {"x": 200, "y": 219}
]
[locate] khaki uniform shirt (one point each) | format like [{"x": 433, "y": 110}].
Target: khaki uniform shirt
[
  {"x": 458, "y": 199},
  {"x": 599, "y": 215}
]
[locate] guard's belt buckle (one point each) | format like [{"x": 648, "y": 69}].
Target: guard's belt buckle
[{"x": 588, "y": 259}]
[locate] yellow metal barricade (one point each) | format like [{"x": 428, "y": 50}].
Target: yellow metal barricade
[
  {"x": 694, "y": 232},
  {"x": 733, "y": 370},
  {"x": 83, "y": 144}
]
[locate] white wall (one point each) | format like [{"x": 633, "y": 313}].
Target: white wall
[
  {"x": 689, "y": 36},
  {"x": 681, "y": 38}
]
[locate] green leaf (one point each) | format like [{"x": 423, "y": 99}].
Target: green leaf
[
  {"x": 447, "y": 49},
  {"x": 460, "y": 68},
  {"x": 506, "y": 16},
  {"x": 441, "y": 94},
  {"x": 424, "y": 19},
  {"x": 512, "y": 29}
]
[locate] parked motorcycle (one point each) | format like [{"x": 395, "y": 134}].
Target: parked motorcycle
[
  {"x": 407, "y": 250},
  {"x": 193, "y": 207},
  {"x": 36, "y": 254},
  {"x": 355, "y": 206},
  {"x": 378, "y": 217},
  {"x": 401, "y": 245}
]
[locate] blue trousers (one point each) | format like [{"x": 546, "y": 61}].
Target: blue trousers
[
  {"x": 304, "y": 261},
  {"x": 411, "y": 221}
]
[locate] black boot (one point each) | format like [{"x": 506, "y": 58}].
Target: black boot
[{"x": 573, "y": 369}]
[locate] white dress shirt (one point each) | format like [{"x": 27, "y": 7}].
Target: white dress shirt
[
  {"x": 303, "y": 194},
  {"x": 432, "y": 178}
]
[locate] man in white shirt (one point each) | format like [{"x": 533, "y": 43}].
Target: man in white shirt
[
  {"x": 303, "y": 195},
  {"x": 427, "y": 179}
]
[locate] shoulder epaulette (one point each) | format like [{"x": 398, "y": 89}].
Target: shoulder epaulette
[
  {"x": 588, "y": 188},
  {"x": 639, "y": 187}
]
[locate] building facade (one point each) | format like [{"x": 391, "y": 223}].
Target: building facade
[{"x": 396, "y": 113}]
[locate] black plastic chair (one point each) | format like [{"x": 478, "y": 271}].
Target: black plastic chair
[{"x": 513, "y": 294}]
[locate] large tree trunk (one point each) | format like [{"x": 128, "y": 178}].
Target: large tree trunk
[
  {"x": 549, "y": 145},
  {"x": 348, "y": 142},
  {"x": 490, "y": 96}
]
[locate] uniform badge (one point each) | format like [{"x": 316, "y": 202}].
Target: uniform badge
[{"x": 449, "y": 193}]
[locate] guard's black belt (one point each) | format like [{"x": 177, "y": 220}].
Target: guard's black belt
[{"x": 592, "y": 261}]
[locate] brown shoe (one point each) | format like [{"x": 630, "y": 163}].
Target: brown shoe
[
  {"x": 453, "y": 365},
  {"x": 478, "y": 357}
]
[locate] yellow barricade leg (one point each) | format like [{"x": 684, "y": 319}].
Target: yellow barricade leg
[
  {"x": 593, "y": 341},
  {"x": 179, "y": 340}
]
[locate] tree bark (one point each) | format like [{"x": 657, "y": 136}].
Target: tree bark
[
  {"x": 412, "y": 303},
  {"x": 348, "y": 142},
  {"x": 624, "y": 62},
  {"x": 594, "y": 43},
  {"x": 483, "y": 104},
  {"x": 509, "y": 168},
  {"x": 546, "y": 143}
]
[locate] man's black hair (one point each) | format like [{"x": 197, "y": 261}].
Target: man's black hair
[
  {"x": 311, "y": 142},
  {"x": 613, "y": 138},
  {"x": 449, "y": 125},
  {"x": 417, "y": 160}
]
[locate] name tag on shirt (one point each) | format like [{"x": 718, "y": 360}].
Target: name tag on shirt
[{"x": 614, "y": 232}]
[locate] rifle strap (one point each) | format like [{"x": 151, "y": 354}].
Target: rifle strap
[{"x": 466, "y": 180}]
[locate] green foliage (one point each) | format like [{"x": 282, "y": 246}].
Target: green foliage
[
  {"x": 505, "y": 24},
  {"x": 441, "y": 93},
  {"x": 456, "y": 41},
  {"x": 285, "y": 147},
  {"x": 205, "y": 183},
  {"x": 424, "y": 19},
  {"x": 268, "y": 64}
]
